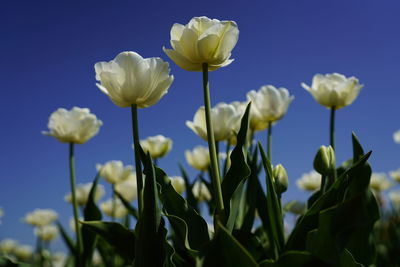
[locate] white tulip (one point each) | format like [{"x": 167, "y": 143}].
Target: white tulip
[
  {"x": 334, "y": 90},
  {"x": 396, "y": 137},
  {"x": 7, "y": 246},
  {"x": 82, "y": 193},
  {"x": 270, "y": 104},
  {"x": 310, "y": 181},
  {"x": 394, "y": 197},
  {"x": 198, "y": 158},
  {"x": 114, "y": 208},
  {"x": 128, "y": 188},
  {"x": 201, "y": 192},
  {"x": 59, "y": 259},
  {"x": 41, "y": 217},
  {"x": 23, "y": 252},
  {"x": 379, "y": 182},
  {"x": 77, "y": 125},
  {"x": 178, "y": 184},
  {"x": 130, "y": 79},
  {"x": 114, "y": 171},
  {"x": 395, "y": 175},
  {"x": 46, "y": 232},
  {"x": 203, "y": 40},
  {"x": 224, "y": 119},
  {"x": 158, "y": 146}
]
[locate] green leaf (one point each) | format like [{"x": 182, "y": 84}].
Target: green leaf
[
  {"x": 91, "y": 213},
  {"x": 236, "y": 175},
  {"x": 151, "y": 249},
  {"x": 226, "y": 251},
  {"x": 275, "y": 221},
  {"x": 67, "y": 239},
  {"x": 117, "y": 235},
  {"x": 294, "y": 258}
]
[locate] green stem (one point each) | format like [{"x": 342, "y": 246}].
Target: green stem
[
  {"x": 228, "y": 147},
  {"x": 139, "y": 176},
  {"x": 114, "y": 203},
  {"x": 269, "y": 142},
  {"x": 332, "y": 128},
  {"x": 211, "y": 145},
  {"x": 75, "y": 204}
]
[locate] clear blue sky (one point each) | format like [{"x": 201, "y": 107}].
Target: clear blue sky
[{"x": 48, "y": 49}]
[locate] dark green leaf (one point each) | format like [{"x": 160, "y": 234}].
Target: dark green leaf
[
  {"x": 295, "y": 258},
  {"x": 131, "y": 210},
  {"x": 117, "y": 235},
  {"x": 67, "y": 239},
  {"x": 236, "y": 175},
  {"x": 189, "y": 193}
]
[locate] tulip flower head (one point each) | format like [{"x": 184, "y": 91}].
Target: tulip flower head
[
  {"x": 394, "y": 197},
  {"x": 379, "y": 182},
  {"x": 23, "y": 252},
  {"x": 114, "y": 208},
  {"x": 203, "y": 40},
  {"x": 77, "y": 125},
  {"x": 201, "y": 192},
  {"x": 47, "y": 232},
  {"x": 395, "y": 175},
  {"x": 270, "y": 104},
  {"x": 198, "y": 158},
  {"x": 130, "y": 79},
  {"x": 396, "y": 137},
  {"x": 158, "y": 146},
  {"x": 41, "y": 217},
  {"x": 114, "y": 171},
  {"x": 309, "y": 181},
  {"x": 224, "y": 119},
  {"x": 178, "y": 184},
  {"x": 128, "y": 188},
  {"x": 334, "y": 90},
  {"x": 82, "y": 193},
  {"x": 7, "y": 246}
]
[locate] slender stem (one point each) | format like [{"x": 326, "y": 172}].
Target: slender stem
[
  {"x": 269, "y": 141},
  {"x": 211, "y": 145},
  {"x": 332, "y": 128},
  {"x": 114, "y": 203},
  {"x": 75, "y": 204},
  {"x": 139, "y": 176},
  {"x": 228, "y": 147}
]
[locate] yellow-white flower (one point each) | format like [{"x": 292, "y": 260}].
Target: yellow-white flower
[
  {"x": 72, "y": 223},
  {"x": 7, "y": 246},
  {"x": 394, "y": 197},
  {"x": 395, "y": 175},
  {"x": 396, "y": 137},
  {"x": 201, "y": 192},
  {"x": 128, "y": 188},
  {"x": 77, "y": 125},
  {"x": 59, "y": 259},
  {"x": 46, "y": 232},
  {"x": 114, "y": 208},
  {"x": 198, "y": 158},
  {"x": 379, "y": 182},
  {"x": 224, "y": 119},
  {"x": 23, "y": 252},
  {"x": 82, "y": 193},
  {"x": 203, "y": 40},
  {"x": 130, "y": 79},
  {"x": 158, "y": 146},
  {"x": 41, "y": 217},
  {"x": 178, "y": 184},
  {"x": 1, "y": 212},
  {"x": 334, "y": 90},
  {"x": 269, "y": 103},
  {"x": 310, "y": 181},
  {"x": 114, "y": 171}
]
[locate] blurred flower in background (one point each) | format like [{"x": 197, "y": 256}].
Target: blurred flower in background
[
  {"x": 128, "y": 188},
  {"x": 178, "y": 184},
  {"x": 198, "y": 158},
  {"x": 158, "y": 146},
  {"x": 310, "y": 181},
  {"x": 201, "y": 192},
  {"x": 77, "y": 125},
  {"x": 396, "y": 137},
  {"x": 395, "y": 175},
  {"x": 114, "y": 171},
  {"x": 46, "y": 232},
  {"x": 379, "y": 182},
  {"x": 114, "y": 208},
  {"x": 82, "y": 193},
  {"x": 41, "y": 217}
]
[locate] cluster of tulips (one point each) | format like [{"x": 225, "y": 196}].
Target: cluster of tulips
[{"x": 166, "y": 226}]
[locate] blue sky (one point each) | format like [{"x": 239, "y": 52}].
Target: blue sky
[{"x": 48, "y": 50}]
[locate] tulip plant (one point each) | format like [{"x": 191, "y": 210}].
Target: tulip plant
[{"x": 232, "y": 213}]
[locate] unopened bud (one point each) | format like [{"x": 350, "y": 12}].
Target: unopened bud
[
  {"x": 280, "y": 178},
  {"x": 325, "y": 160}
]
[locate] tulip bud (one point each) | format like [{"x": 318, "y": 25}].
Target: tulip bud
[
  {"x": 280, "y": 178},
  {"x": 325, "y": 160}
]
